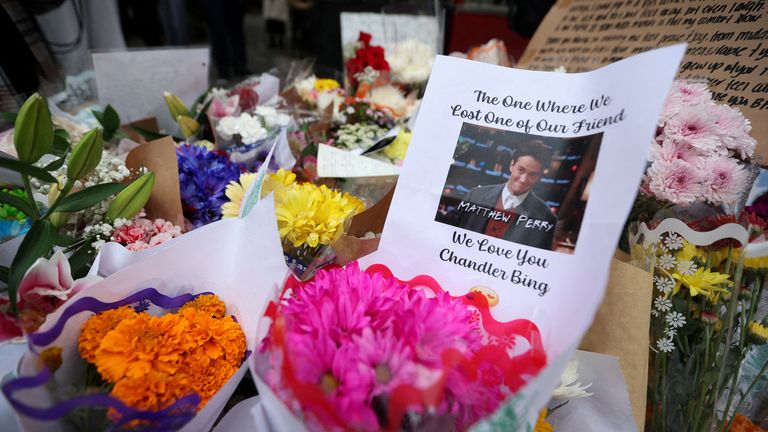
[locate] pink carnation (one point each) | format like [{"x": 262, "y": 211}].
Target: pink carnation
[
  {"x": 137, "y": 246},
  {"x": 129, "y": 233},
  {"x": 160, "y": 238},
  {"x": 676, "y": 181},
  {"x": 163, "y": 226},
  {"x": 695, "y": 126},
  {"x": 724, "y": 180}
]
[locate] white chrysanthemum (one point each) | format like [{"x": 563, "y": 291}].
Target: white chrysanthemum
[
  {"x": 271, "y": 118},
  {"x": 391, "y": 97},
  {"x": 249, "y": 128},
  {"x": 569, "y": 388},
  {"x": 411, "y": 61},
  {"x": 304, "y": 88}
]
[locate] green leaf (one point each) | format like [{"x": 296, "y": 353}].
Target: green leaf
[
  {"x": 10, "y": 117},
  {"x": 201, "y": 116},
  {"x": 99, "y": 116},
  {"x": 26, "y": 168},
  {"x": 64, "y": 240},
  {"x": 4, "y": 274},
  {"x": 150, "y": 135},
  {"x": 79, "y": 262},
  {"x": 37, "y": 243},
  {"x": 60, "y": 142},
  {"x": 110, "y": 121},
  {"x": 58, "y": 163},
  {"x": 14, "y": 201},
  {"x": 88, "y": 197}
]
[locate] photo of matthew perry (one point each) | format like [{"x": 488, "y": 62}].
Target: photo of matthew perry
[{"x": 527, "y": 189}]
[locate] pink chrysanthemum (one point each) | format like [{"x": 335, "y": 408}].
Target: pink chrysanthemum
[
  {"x": 734, "y": 129},
  {"x": 685, "y": 93},
  {"x": 676, "y": 181},
  {"x": 695, "y": 126},
  {"x": 432, "y": 325},
  {"x": 387, "y": 359},
  {"x": 723, "y": 180},
  {"x": 470, "y": 401},
  {"x": 670, "y": 150}
]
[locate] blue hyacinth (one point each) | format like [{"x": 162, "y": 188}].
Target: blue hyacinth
[{"x": 203, "y": 177}]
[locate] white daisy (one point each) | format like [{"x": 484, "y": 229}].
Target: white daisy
[
  {"x": 667, "y": 261},
  {"x": 675, "y": 319},
  {"x": 686, "y": 267},
  {"x": 664, "y": 284},
  {"x": 654, "y": 313},
  {"x": 670, "y": 332},
  {"x": 662, "y": 304},
  {"x": 665, "y": 345},
  {"x": 673, "y": 242}
]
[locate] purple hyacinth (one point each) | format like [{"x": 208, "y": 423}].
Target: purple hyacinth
[{"x": 203, "y": 177}]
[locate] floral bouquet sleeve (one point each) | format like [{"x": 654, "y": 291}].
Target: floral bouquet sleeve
[
  {"x": 363, "y": 350},
  {"x": 158, "y": 345}
]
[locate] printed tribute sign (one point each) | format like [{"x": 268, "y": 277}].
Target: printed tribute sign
[{"x": 517, "y": 185}]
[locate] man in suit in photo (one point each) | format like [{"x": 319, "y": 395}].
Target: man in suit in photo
[{"x": 512, "y": 211}]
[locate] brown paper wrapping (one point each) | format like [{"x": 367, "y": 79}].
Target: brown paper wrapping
[
  {"x": 621, "y": 329},
  {"x": 149, "y": 123},
  {"x": 159, "y": 156},
  {"x": 350, "y": 246}
]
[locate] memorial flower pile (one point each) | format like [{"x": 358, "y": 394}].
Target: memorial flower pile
[{"x": 366, "y": 351}]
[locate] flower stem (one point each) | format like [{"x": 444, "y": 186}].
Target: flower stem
[
  {"x": 746, "y": 393},
  {"x": 30, "y": 197}
]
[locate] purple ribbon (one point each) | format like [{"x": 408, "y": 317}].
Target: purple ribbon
[{"x": 170, "y": 418}]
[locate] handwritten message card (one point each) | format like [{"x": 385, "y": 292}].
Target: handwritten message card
[{"x": 517, "y": 185}]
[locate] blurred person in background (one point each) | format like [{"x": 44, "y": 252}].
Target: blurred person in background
[
  {"x": 301, "y": 25},
  {"x": 28, "y": 60},
  {"x": 275, "y": 14},
  {"x": 225, "y": 23},
  {"x": 173, "y": 15}
]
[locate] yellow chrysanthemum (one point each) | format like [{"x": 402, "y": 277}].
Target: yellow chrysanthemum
[
  {"x": 542, "y": 425},
  {"x": 702, "y": 282},
  {"x": 758, "y": 333},
  {"x": 756, "y": 263},
  {"x": 97, "y": 326},
  {"x": 689, "y": 252},
  {"x": 326, "y": 84},
  {"x": 235, "y": 191},
  {"x": 397, "y": 149},
  {"x": 143, "y": 344},
  {"x": 277, "y": 182},
  {"x": 208, "y": 303}
]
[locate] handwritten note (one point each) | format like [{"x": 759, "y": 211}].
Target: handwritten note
[
  {"x": 333, "y": 162},
  {"x": 727, "y": 44},
  {"x": 133, "y": 81}
]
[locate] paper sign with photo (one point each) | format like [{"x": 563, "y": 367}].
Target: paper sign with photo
[{"x": 517, "y": 185}]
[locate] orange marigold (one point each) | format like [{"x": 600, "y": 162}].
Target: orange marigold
[
  {"x": 209, "y": 303},
  {"x": 153, "y": 391},
  {"x": 207, "y": 376},
  {"x": 51, "y": 358},
  {"x": 143, "y": 344},
  {"x": 215, "y": 338},
  {"x": 743, "y": 424},
  {"x": 97, "y": 326}
]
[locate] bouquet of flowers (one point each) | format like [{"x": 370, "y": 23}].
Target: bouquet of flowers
[
  {"x": 320, "y": 93},
  {"x": 137, "y": 234},
  {"x": 366, "y": 64},
  {"x": 702, "y": 152},
  {"x": 706, "y": 320},
  {"x": 309, "y": 217},
  {"x": 364, "y": 350}
]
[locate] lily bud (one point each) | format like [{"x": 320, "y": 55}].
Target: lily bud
[
  {"x": 33, "y": 136},
  {"x": 86, "y": 155},
  {"x": 175, "y": 105},
  {"x": 188, "y": 126},
  {"x": 132, "y": 199}
]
